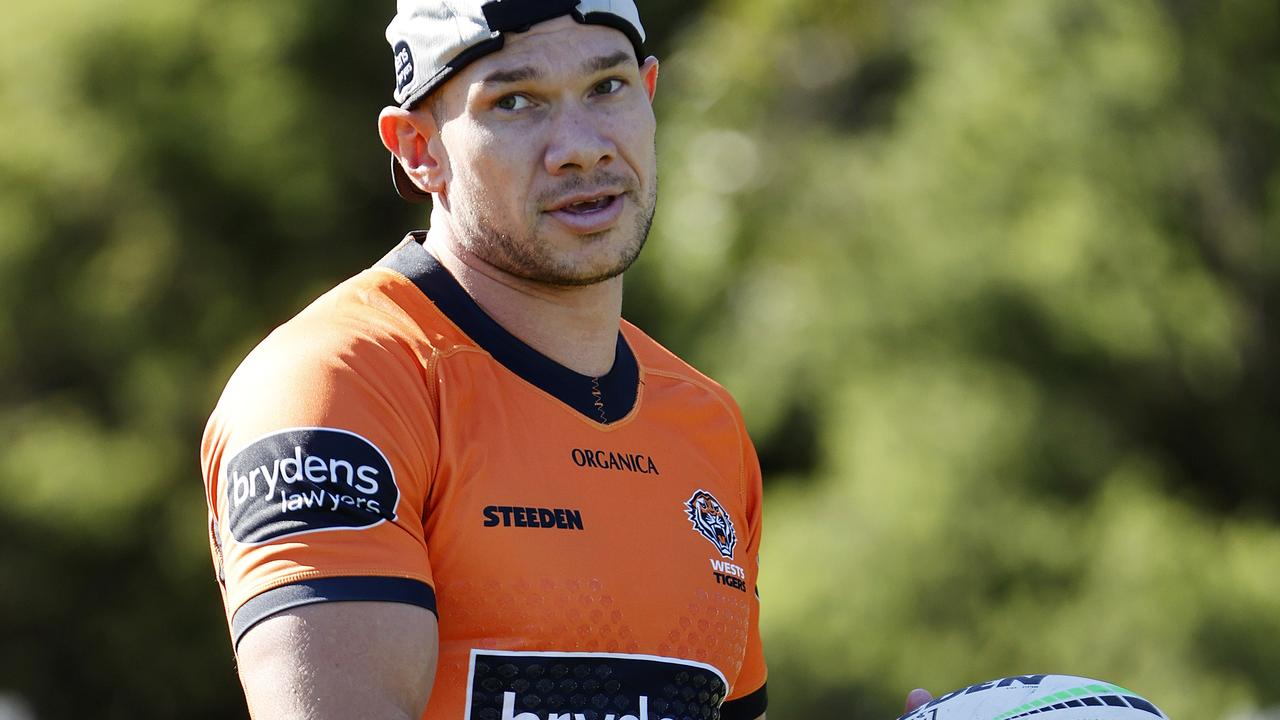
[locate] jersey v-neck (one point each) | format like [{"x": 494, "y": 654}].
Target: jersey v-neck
[{"x": 604, "y": 399}]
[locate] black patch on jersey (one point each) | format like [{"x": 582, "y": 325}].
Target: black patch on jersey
[
  {"x": 748, "y": 707},
  {"x": 307, "y": 479},
  {"x": 593, "y": 686}
]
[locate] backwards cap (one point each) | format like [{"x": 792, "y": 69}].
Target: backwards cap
[{"x": 434, "y": 39}]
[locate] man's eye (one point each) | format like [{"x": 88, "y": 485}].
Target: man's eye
[
  {"x": 513, "y": 102},
  {"x": 607, "y": 87}
]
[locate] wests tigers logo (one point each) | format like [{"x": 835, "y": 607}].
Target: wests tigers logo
[{"x": 711, "y": 520}]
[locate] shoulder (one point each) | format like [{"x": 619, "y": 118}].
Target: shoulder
[
  {"x": 661, "y": 363},
  {"x": 375, "y": 327},
  {"x": 376, "y": 311},
  {"x": 359, "y": 357},
  {"x": 702, "y": 406}
]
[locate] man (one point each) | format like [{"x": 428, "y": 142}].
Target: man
[{"x": 468, "y": 431}]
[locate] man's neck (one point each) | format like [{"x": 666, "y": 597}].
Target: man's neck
[{"x": 574, "y": 326}]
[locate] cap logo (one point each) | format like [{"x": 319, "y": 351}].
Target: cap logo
[{"x": 404, "y": 65}]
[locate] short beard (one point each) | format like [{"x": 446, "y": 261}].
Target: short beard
[{"x": 527, "y": 258}]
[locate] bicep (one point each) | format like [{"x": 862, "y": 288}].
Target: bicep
[{"x": 373, "y": 660}]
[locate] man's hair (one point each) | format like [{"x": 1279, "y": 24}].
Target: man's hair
[{"x": 434, "y": 104}]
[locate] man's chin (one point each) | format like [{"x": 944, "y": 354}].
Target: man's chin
[
  {"x": 578, "y": 271},
  {"x": 551, "y": 254},
  {"x": 579, "y": 259}
]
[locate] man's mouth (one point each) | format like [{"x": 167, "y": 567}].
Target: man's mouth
[
  {"x": 588, "y": 213},
  {"x": 585, "y": 203},
  {"x": 588, "y": 206}
]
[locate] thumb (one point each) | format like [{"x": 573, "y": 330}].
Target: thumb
[{"x": 917, "y": 697}]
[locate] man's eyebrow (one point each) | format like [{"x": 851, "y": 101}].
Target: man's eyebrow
[
  {"x": 512, "y": 75},
  {"x": 605, "y": 62},
  {"x": 529, "y": 72}
]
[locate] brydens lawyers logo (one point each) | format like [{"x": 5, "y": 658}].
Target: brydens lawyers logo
[
  {"x": 711, "y": 520},
  {"x": 307, "y": 479},
  {"x": 404, "y": 65}
]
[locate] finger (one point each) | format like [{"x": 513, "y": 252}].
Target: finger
[{"x": 917, "y": 697}]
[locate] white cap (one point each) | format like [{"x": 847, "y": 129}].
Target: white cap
[{"x": 433, "y": 39}]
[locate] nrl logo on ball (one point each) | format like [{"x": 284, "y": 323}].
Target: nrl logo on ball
[{"x": 711, "y": 520}]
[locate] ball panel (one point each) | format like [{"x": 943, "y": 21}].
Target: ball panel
[{"x": 1039, "y": 697}]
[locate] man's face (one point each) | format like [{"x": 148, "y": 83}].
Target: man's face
[{"x": 550, "y": 166}]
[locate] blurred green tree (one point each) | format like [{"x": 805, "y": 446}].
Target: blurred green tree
[{"x": 989, "y": 278}]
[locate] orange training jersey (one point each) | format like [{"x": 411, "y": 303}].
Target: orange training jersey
[{"x": 590, "y": 545}]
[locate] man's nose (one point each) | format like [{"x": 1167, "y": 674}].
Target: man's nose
[{"x": 579, "y": 141}]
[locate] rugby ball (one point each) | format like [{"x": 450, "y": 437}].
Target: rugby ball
[{"x": 1039, "y": 697}]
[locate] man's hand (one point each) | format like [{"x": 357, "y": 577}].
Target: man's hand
[
  {"x": 340, "y": 660},
  {"x": 917, "y": 697}
]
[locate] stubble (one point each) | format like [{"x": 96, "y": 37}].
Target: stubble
[{"x": 527, "y": 255}]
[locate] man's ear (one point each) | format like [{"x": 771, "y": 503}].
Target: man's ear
[
  {"x": 412, "y": 136},
  {"x": 649, "y": 73}
]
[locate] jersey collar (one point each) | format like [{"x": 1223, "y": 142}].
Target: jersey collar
[{"x": 605, "y": 399}]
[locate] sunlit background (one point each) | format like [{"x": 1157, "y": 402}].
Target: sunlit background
[{"x": 995, "y": 282}]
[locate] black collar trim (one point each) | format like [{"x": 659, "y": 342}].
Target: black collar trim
[{"x": 605, "y": 399}]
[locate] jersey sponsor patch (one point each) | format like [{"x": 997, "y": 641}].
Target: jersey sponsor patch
[
  {"x": 532, "y": 517},
  {"x": 590, "y": 686},
  {"x": 712, "y": 521},
  {"x": 610, "y": 460},
  {"x": 307, "y": 479}
]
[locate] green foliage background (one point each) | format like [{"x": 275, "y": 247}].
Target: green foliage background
[{"x": 994, "y": 281}]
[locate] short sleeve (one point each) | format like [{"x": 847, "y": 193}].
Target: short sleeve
[
  {"x": 748, "y": 699},
  {"x": 317, "y": 463}
]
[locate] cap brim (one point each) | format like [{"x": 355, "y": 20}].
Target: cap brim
[{"x": 404, "y": 186}]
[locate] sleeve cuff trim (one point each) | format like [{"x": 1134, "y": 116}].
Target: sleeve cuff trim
[
  {"x": 333, "y": 589},
  {"x": 747, "y": 707}
]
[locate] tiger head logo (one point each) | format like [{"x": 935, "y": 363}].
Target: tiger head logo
[{"x": 711, "y": 520}]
